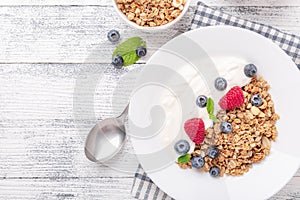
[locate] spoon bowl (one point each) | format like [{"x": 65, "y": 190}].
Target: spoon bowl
[{"x": 106, "y": 138}]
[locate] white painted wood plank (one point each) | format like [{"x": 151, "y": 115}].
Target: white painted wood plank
[
  {"x": 47, "y": 91},
  {"x": 94, "y": 188},
  {"x": 77, "y": 34},
  {"x": 74, "y": 34},
  {"x": 109, "y": 2},
  {"x": 46, "y": 112},
  {"x": 105, "y": 188}
]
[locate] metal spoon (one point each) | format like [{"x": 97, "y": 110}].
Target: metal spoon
[{"x": 106, "y": 138}]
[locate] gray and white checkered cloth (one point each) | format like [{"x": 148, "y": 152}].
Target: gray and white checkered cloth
[{"x": 143, "y": 187}]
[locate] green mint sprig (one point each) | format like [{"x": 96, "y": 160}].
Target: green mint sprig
[
  {"x": 210, "y": 107},
  {"x": 127, "y": 50},
  {"x": 184, "y": 159}
]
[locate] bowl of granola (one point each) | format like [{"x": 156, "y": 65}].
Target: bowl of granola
[
  {"x": 210, "y": 118},
  {"x": 150, "y": 15}
]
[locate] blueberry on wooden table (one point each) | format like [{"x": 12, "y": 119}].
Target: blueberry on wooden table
[
  {"x": 117, "y": 62},
  {"x": 141, "y": 51},
  {"x": 113, "y": 36}
]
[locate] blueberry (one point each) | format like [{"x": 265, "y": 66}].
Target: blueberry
[
  {"x": 201, "y": 101},
  {"x": 212, "y": 152},
  {"x": 182, "y": 147},
  {"x": 113, "y": 36},
  {"x": 117, "y": 62},
  {"x": 197, "y": 161},
  {"x": 250, "y": 70},
  {"x": 226, "y": 127},
  {"x": 214, "y": 171},
  {"x": 141, "y": 51},
  {"x": 256, "y": 100},
  {"x": 220, "y": 83}
]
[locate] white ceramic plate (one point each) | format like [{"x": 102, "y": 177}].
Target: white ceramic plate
[{"x": 165, "y": 99}]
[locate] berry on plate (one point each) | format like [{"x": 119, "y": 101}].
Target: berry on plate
[
  {"x": 214, "y": 171},
  {"x": 195, "y": 129},
  {"x": 256, "y": 100},
  {"x": 226, "y": 127},
  {"x": 250, "y": 70},
  {"x": 201, "y": 101},
  {"x": 234, "y": 98},
  {"x": 182, "y": 147},
  {"x": 220, "y": 83},
  {"x": 197, "y": 161},
  {"x": 212, "y": 152}
]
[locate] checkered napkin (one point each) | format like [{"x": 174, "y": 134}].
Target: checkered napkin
[{"x": 143, "y": 187}]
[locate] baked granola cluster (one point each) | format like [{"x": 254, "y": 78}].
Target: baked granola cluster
[
  {"x": 253, "y": 128},
  {"x": 150, "y": 13}
]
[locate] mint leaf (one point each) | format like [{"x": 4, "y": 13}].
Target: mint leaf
[
  {"x": 210, "y": 106},
  {"x": 130, "y": 58},
  {"x": 184, "y": 159},
  {"x": 213, "y": 117},
  {"x": 127, "y": 50}
]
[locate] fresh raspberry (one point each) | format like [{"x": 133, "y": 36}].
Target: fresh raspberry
[
  {"x": 233, "y": 98},
  {"x": 195, "y": 129}
]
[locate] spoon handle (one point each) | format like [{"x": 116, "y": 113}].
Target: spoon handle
[
  {"x": 122, "y": 118},
  {"x": 124, "y": 113}
]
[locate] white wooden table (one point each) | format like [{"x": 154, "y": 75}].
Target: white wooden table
[{"x": 45, "y": 46}]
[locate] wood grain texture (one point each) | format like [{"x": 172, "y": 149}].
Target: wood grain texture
[
  {"x": 55, "y": 82},
  {"x": 104, "y": 188},
  {"x": 109, "y": 2},
  {"x": 77, "y": 34}
]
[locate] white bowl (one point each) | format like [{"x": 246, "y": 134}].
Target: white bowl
[{"x": 155, "y": 28}]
